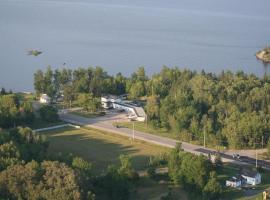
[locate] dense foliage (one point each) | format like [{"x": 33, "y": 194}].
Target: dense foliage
[
  {"x": 14, "y": 111},
  {"x": 194, "y": 173},
  {"x": 233, "y": 109},
  {"x": 21, "y": 144},
  {"x": 48, "y": 180},
  {"x": 48, "y": 113}
]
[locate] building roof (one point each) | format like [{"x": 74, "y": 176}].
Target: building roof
[
  {"x": 237, "y": 178},
  {"x": 110, "y": 96},
  {"x": 44, "y": 96},
  {"x": 249, "y": 173}
]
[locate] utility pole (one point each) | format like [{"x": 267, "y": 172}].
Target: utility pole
[
  {"x": 256, "y": 159},
  {"x": 133, "y": 132},
  {"x": 204, "y": 139}
]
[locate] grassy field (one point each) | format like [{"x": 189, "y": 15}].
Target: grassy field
[
  {"x": 152, "y": 190},
  {"x": 101, "y": 148},
  {"x": 141, "y": 126}
]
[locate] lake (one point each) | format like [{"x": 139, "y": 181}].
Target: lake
[{"x": 121, "y": 35}]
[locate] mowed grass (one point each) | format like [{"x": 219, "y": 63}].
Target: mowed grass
[
  {"x": 151, "y": 190},
  {"x": 101, "y": 148},
  {"x": 143, "y": 127}
]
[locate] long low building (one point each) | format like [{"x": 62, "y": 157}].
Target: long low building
[{"x": 135, "y": 112}]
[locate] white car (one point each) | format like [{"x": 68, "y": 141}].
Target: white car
[{"x": 236, "y": 156}]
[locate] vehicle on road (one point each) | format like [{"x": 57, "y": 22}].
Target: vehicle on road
[{"x": 236, "y": 156}]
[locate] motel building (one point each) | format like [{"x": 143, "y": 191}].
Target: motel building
[{"x": 115, "y": 102}]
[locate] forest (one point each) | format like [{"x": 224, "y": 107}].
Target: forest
[{"x": 232, "y": 109}]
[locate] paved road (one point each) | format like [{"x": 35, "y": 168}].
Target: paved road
[{"x": 106, "y": 123}]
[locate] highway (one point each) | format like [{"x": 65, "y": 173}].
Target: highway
[{"x": 106, "y": 123}]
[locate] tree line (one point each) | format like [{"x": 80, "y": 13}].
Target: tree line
[{"x": 231, "y": 108}]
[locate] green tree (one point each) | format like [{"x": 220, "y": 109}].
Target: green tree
[
  {"x": 9, "y": 155},
  {"x": 152, "y": 107},
  {"x": 268, "y": 147},
  {"x": 82, "y": 165},
  {"x": 89, "y": 102},
  {"x": 213, "y": 189},
  {"x": 39, "y": 83},
  {"x": 48, "y": 180},
  {"x": 48, "y": 113}
]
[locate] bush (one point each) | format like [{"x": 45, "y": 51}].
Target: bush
[
  {"x": 48, "y": 113},
  {"x": 151, "y": 172}
]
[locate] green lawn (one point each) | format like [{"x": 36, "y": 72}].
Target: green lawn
[
  {"x": 143, "y": 127},
  {"x": 101, "y": 148},
  {"x": 152, "y": 190}
]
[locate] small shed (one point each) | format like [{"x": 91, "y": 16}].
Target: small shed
[{"x": 235, "y": 181}]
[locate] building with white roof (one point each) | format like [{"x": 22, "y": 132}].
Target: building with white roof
[
  {"x": 45, "y": 99},
  {"x": 135, "y": 112}
]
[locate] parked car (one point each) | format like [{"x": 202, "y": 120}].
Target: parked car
[{"x": 237, "y": 156}]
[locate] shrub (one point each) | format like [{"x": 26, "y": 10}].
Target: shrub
[{"x": 48, "y": 113}]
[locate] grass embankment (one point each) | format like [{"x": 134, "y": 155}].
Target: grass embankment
[{"x": 101, "y": 148}]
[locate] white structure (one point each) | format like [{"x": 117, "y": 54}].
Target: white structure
[
  {"x": 135, "y": 112},
  {"x": 107, "y": 101},
  {"x": 44, "y": 98},
  {"x": 246, "y": 177},
  {"x": 234, "y": 182},
  {"x": 252, "y": 177}
]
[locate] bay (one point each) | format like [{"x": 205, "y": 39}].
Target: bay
[{"x": 121, "y": 35}]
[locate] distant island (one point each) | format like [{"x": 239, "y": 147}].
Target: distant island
[
  {"x": 264, "y": 55},
  {"x": 34, "y": 52}
]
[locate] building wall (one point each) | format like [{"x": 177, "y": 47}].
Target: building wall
[
  {"x": 233, "y": 184},
  {"x": 250, "y": 180}
]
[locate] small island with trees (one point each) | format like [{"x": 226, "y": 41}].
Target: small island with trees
[{"x": 264, "y": 55}]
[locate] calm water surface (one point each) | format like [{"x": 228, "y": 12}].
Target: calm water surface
[{"x": 121, "y": 35}]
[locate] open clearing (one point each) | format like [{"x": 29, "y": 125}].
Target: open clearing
[{"x": 101, "y": 148}]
